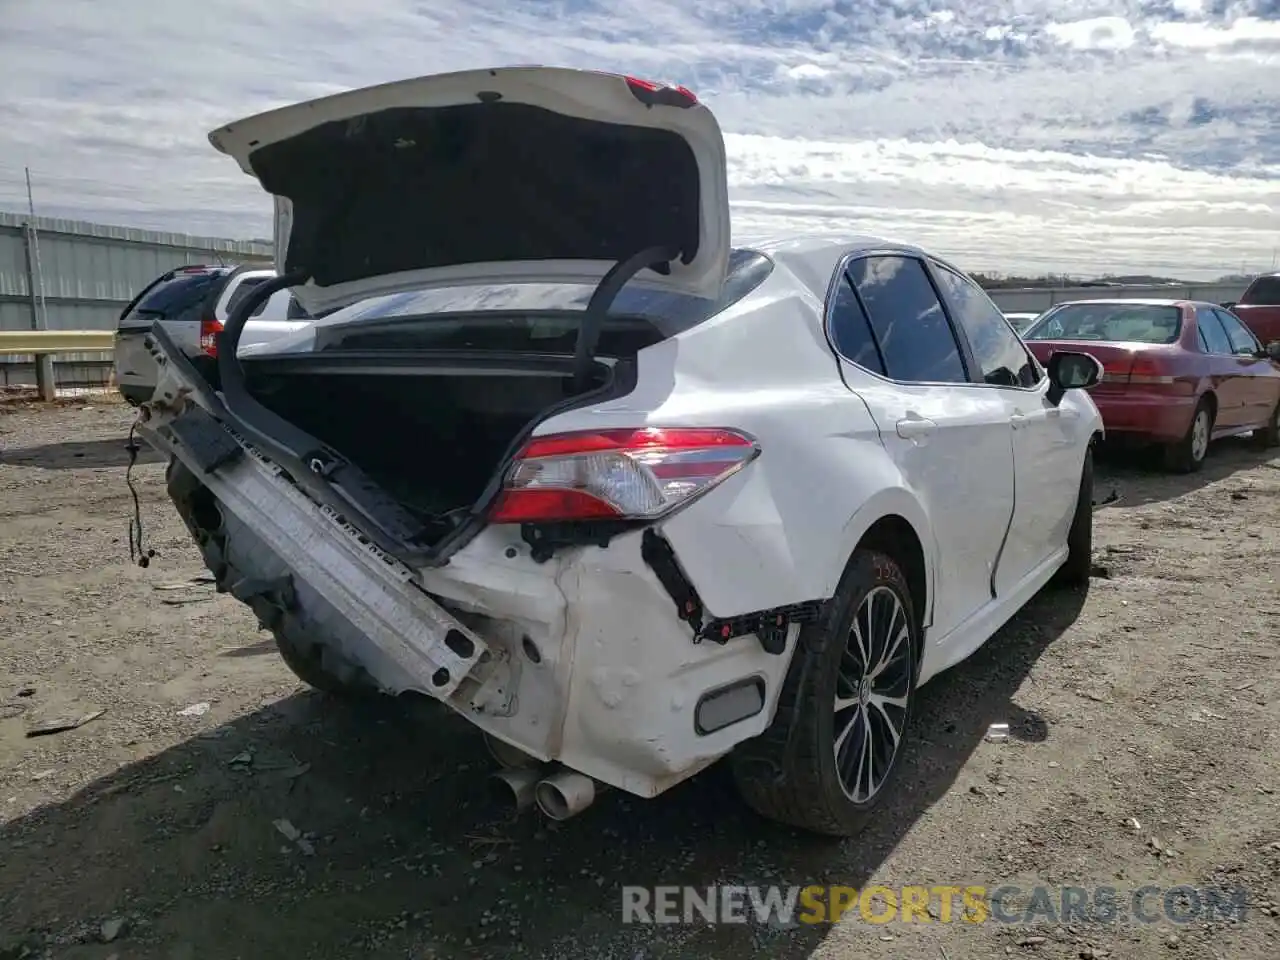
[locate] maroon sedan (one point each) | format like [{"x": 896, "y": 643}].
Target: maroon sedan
[{"x": 1178, "y": 373}]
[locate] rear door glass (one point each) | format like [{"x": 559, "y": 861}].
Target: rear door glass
[
  {"x": 915, "y": 337},
  {"x": 181, "y": 298},
  {"x": 1214, "y": 337}
]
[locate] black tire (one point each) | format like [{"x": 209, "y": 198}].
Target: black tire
[
  {"x": 1184, "y": 456},
  {"x": 1079, "y": 566},
  {"x": 318, "y": 668},
  {"x": 789, "y": 773},
  {"x": 312, "y": 663},
  {"x": 1264, "y": 438}
]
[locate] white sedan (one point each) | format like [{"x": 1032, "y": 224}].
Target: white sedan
[
  {"x": 629, "y": 499},
  {"x": 1021, "y": 321}
]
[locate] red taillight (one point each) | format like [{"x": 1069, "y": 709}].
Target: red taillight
[
  {"x": 1147, "y": 371},
  {"x": 649, "y": 93},
  {"x": 210, "y": 327},
  {"x": 617, "y": 474}
]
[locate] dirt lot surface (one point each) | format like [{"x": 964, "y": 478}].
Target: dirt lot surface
[{"x": 1142, "y": 750}]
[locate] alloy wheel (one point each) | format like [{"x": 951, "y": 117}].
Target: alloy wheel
[
  {"x": 1200, "y": 435},
  {"x": 872, "y": 689}
]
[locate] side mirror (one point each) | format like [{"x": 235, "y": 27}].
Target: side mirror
[
  {"x": 1071, "y": 371},
  {"x": 1272, "y": 350}
]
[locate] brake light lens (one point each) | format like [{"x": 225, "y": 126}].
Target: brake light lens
[
  {"x": 1146, "y": 371},
  {"x": 618, "y": 474},
  {"x": 210, "y": 327},
  {"x": 650, "y": 93}
]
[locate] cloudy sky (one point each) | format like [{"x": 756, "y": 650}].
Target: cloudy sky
[{"x": 1029, "y": 135}]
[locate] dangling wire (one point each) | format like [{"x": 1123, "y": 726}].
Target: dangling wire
[{"x": 136, "y": 553}]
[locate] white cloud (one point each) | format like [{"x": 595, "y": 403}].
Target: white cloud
[
  {"x": 1204, "y": 36},
  {"x": 1051, "y": 134},
  {"x": 1096, "y": 33}
]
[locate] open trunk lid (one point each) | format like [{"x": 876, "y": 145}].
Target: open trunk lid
[{"x": 503, "y": 175}]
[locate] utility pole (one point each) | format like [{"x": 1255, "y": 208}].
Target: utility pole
[{"x": 45, "y": 384}]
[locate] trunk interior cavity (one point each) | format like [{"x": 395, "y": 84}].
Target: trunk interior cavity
[{"x": 432, "y": 440}]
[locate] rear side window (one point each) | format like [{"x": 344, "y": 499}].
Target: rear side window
[
  {"x": 1263, "y": 292},
  {"x": 1212, "y": 337},
  {"x": 851, "y": 330},
  {"x": 915, "y": 338},
  {"x": 179, "y": 297}
]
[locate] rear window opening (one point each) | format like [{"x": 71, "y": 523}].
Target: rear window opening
[
  {"x": 531, "y": 317},
  {"x": 176, "y": 297},
  {"x": 1110, "y": 322}
]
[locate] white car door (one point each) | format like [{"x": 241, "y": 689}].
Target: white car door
[
  {"x": 1047, "y": 450},
  {"x": 950, "y": 438}
]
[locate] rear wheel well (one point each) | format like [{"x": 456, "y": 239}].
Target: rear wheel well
[{"x": 894, "y": 536}]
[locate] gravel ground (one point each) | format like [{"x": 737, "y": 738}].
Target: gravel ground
[{"x": 1142, "y": 750}]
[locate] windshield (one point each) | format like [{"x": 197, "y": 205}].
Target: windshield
[
  {"x": 671, "y": 313},
  {"x": 1115, "y": 322}
]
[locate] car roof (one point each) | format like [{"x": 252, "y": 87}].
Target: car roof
[
  {"x": 1139, "y": 302},
  {"x": 813, "y": 258}
]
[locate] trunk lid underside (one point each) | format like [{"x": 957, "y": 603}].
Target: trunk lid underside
[{"x": 519, "y": 173}]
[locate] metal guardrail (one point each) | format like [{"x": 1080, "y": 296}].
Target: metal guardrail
[
  {"x": 43, "y": 345},
  {"x": 43, "y": 342}
]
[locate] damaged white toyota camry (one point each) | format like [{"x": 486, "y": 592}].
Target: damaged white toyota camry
[{"x": 627, "y": 498}]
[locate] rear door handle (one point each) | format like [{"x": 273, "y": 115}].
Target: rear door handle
[{"x": 913, "y": 427}]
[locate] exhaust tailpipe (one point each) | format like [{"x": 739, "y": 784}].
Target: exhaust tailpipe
[
  {"x": 515, "y": 787},
  {"x": 565, "y": 794}
]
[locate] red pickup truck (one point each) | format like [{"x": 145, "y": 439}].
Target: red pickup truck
[{"x": 1259, "y": 308}]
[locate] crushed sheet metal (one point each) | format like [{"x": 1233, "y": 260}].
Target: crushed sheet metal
[{"x": 345, "y": 570}]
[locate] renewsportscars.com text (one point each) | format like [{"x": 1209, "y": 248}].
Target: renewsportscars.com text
[{"x": 937, "y": 903}]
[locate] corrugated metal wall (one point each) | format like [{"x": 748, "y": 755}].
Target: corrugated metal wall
[{"x": 89, "y": 272}]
